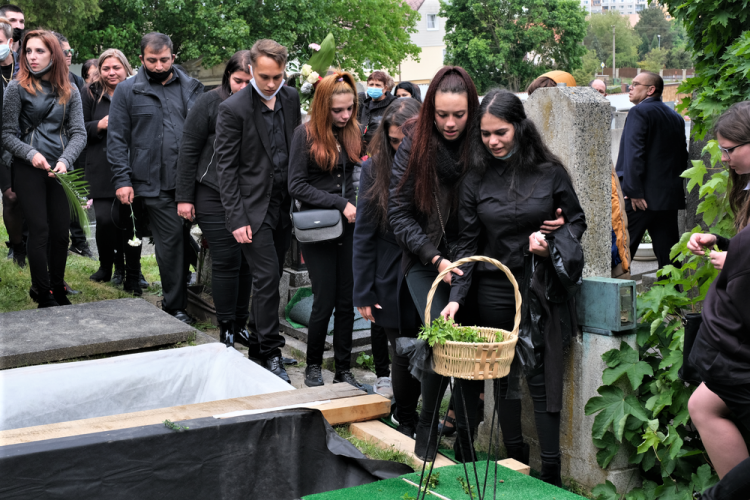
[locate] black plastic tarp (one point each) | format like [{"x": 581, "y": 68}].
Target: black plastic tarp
[{"x": 279, "y": 455}]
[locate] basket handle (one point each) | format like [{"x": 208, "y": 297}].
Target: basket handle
[{"x": 476, "y": 258}]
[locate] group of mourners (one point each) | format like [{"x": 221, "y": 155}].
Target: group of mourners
[{"x": 444, "y": 177}]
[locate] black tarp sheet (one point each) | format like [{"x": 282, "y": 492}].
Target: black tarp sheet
[{"x": 284, "y": 454}]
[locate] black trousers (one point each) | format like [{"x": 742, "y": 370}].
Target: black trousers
[
  {"x": 329, "y": 264},
  {"x": 77, "y": 236},
  {"x": 661, "y": 226},
  {"x": 45, "y": 208},
  {"x": 379, "y": 340},
  {"x": 734, "y": 486},
  {"x": 263, "y": 264},
  {"x": 230, "y": 272},
  {"x": 114, "y": 228},
  {"x": 168, "y": 234},
  {"x": 406, "y": 389}
]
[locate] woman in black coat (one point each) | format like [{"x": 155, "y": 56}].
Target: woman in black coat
[
  {"x": 377, "y": 264},
  {"x": 114, "y": 227},
  {"x": 198, "y": 198},
  {"x": 515, "y": 183}
]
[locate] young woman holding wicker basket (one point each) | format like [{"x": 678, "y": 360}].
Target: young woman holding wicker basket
[{"x": 514, "y": 183}]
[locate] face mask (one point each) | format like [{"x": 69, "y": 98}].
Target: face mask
[
  {"x": 4, "y": 51},
  {"x": 158, "y": 76},
  {"x": 17, "y": 34},
  {"x": 264, "y": 96},
  {"x": 374, "y": 92},
  {"x": 502, "y": 157},
  {"x": 41, "y": 72}
]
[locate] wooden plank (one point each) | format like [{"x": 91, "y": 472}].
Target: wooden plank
[
  {"x": 341, "y": 396},
  {"x": 515, "y": 465},
  {"x": 385, "y": 436},
  {"x": 357, "y": 409}
]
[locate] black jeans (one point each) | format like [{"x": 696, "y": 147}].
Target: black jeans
[
  {"x": 379, "y": 340},
  {"x": 282, "y": 239},
  {"x": 230, "y": 273},
  {"x": 329, "y": 264},
  {"x": 661, "y": 226},
  {"x": 406, "y": 389},
  {"x": 114, "y": 227},
  {"x": 168, "y": 233},
  {"x": 45, "y": 208}
]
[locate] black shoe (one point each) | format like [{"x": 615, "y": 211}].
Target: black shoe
[
  {"x": 82, "y": 250},
  {"x": 313, "y": 376},
  {"x": 47, "y": 300},
  {"x": 60, "y": 293},
  {"x": 226, "y": 333},
  {"x": 181, "y": 315},
  {"x": 407, "y": 430},
  {"x": 69, "y": 290},
  {"x": 142, "y": 281},
  {"x": 550, "y": 473},
  {"x": 289, "y": 361},
  {"x": 242, "y": 336},
  {"x": 133, "y": 287},
  {"x": 519, "y": 453},
  {"x": 447, "y": 430},
  {"x": 101, "y": 275},
  {"x": 425, "y": 446},
  {"x": 118, "y": 276},
  {"x": 345, "y": 376},
  {"x": 275, "y": 366},
  {"x": 19, "y": 255}
]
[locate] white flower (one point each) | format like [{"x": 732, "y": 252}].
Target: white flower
[
  {"x": 306, "y": 88},
  {"x": 539, "y": 236},
  {"x": 306, "y": 70},
  {"x": 135, "y": 242},
  {"x": 314, "y": 46},
  {"x": 313, "y": 77}
]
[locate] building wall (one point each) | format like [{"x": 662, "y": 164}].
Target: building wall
[
  {"x": 431, "y": 37},
  {"x": 431, "y": 60}
]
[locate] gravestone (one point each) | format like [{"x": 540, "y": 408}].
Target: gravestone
[{"x": 575, "y": 124}]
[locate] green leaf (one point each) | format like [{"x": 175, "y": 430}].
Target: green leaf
[
  {"x": 703, "y": 478},
  {"x": 322, "y": 59},
  {"x": 608, "y": 449},
  {"x": 627, "y": 364},
  {"x": 606, "y": 491},
  {"x": 613, "y": 408},
  {"x": 695, "y": 174}
]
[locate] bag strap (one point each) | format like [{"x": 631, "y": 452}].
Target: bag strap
[
  {"x": 343, "y": 186},
  {"x": 442, "y": 228}
]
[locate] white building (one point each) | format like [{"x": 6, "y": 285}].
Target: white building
[
  {"x": 625, "y": 7},
  {"x": 429, "y": 37}
]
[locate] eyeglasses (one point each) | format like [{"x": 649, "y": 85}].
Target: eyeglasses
[
  {"x": 729, "y": 151},
  {"x": 69, "y": 52},
  {"x": 636, "y": 84}
]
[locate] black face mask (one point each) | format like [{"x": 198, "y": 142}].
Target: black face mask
[
  {"x": 158, "y": 76},
  {"x": 17, "y": 34}
]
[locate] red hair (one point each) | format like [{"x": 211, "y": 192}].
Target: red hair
[
  {"x": 320, "y": 126},
  {"x": 58, "y": 74}
]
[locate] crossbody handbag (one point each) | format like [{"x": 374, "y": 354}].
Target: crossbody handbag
[{"x": 318, "y": 224}]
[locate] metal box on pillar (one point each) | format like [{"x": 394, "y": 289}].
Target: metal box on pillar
[{"x": 606, "y": 306}]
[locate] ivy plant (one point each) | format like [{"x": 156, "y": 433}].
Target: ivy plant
[{"x": 642, "y": 403}]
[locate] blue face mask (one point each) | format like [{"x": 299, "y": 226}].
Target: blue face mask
[
  {"x": 264, "y": 96},
  {"x": 4, "y": 51},
  {"x": 374, "y": 92}
]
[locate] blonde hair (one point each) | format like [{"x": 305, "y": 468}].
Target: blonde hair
[
  {"x": 117, "y": 54},
  {"x": 6, "y": 27}
]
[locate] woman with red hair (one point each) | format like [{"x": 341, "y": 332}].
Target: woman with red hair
[
  {"x": 46, "y": 109},
  {"x": 323, "y": 154}
]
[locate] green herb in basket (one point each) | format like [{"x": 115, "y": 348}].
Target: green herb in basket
[{"x": 442, "y": 330}]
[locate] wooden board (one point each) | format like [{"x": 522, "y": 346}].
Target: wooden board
[
  {"x": 347, "y": 404},
  {"x": 385, "y": 436},
  {"x": 515, "y": 465}
]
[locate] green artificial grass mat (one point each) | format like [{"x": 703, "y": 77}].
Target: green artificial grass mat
[{"x": 514, "y": 486}]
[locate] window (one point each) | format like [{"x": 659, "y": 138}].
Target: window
[{"x": 432, "y": 21}]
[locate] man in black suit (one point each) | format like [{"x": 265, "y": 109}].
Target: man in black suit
[
  {"x": 254, "y": 130},
  {"x": 653, "y": 154}
]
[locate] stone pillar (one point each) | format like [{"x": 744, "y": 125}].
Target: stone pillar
[
  {"x": 638, "y": 71},
  {"x": 575, "y": 124},
  {"x": 684, "y": 74}
]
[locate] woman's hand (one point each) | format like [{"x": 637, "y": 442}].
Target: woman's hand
[
  {"x": 186, "y": 211},
  {"x": 444, "y": 264},
  {"x": 39, "y": 161},
  {"x": 103, "y": 123},
  {"x": 450, "y": 310},
  {"x": 717, "y": 259},
  {"x": 538, "y": 247},
  {"x": 551, "y": 225},
  {"x": 699, "y": 241},
  {"x": 60, "y": 168},
  {"x": 350, "y": 212},
  {"x": 366, "y": 312}
]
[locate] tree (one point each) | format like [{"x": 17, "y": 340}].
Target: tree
[
  {"x": 368, "y": 33},
  {"x": 650, "y": 25},
  {"x": 589, "y": 68},
  {"x": 678, "y": 57},
  {"x": 66, "y": 17},
  {"x": 654, "y": 60},
  {"x": 511, "y": 42},
  {"x": 626, "y": 39}
]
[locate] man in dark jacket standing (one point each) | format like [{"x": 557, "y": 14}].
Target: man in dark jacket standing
[
  {"x": 145, "y": 128},
  {"x": 253, "y": 134},
  {"x": 653, "y": 154},
  {"x": 372, "y": 104}
]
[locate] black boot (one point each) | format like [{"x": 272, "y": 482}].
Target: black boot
[
  {"x": 19, "y": 254},
  {"x": 118, "y": 276},
  {"x": 519, "y": 453},
  {"x": 226, "y": 333},
  {"x": 551, "y": 472},
  {"x": 275, "y": 366},
  {"x": 132, "y": 282},
  {"x": 425, "y": 446},
  {"x": 103, "y": 274},
  {"x": 46, "y": 300},
  {"x": 60, "y": 292}
]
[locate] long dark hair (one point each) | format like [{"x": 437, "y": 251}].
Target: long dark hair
[
  {"x": 240, "y": 61},
  {"x": 411, "y": 88},
  {"x": 396, "y": 114},
  {"x": 734, "y": 125},
  {"x": 425, "y": 137}
]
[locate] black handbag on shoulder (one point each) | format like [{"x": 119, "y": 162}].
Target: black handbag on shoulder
[{"x": 318, "y": 224}]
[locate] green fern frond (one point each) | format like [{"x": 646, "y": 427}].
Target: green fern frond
[{"x": 76, "y": 190}]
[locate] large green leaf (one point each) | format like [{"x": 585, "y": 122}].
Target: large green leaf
[
  {"x": 703, "y": 478},
  {"x": 608, "y": 449},
  {"x": 625, "y": 362},
  {"x": 606, "y": 491},
  {"x": 322, "y": 59},
  {"x": 613, "y": 408}
]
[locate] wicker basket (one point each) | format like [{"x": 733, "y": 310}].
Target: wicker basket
[{"x": 476, "y": 361}]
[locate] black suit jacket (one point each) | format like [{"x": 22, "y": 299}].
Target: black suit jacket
[
  {"x": 653, "y": 154},
  {"x": 243, "y": 154}
]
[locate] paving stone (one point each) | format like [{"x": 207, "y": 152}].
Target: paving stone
[{"x": 58, "y": 333}]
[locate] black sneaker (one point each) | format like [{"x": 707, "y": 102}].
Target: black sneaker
[
  {"x": 313, "y": 376},
  {"x": 275, "y": 366},
  {"x": 142, "y": 281},
  {"x": 118, "y": 276},
  {"x": 82, "y": 250},
  {"x": 407, "y": 430},
  {"x": 101, "y": 276},
  {"x": 346, "y": 376}
]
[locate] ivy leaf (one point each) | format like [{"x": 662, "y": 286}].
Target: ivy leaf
[
  {"x": 608, "y": 449},
  {"x": 703, "y": 478},
  {"x": 627, "y": 364},
  {"x": 613, "y": 408},
  {"x": 695, "y": 174},
  {"x": 606, "y": 491}
]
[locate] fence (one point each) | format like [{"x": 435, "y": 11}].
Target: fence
[{"x": 667, "y": 74}]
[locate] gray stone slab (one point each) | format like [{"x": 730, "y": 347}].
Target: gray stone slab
[{"x": 58, "y": 333}]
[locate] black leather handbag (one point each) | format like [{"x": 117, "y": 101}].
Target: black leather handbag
[{"x": 318, "y": 224}]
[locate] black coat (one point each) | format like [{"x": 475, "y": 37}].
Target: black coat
[
  {"x": 370, "y": 113},
  {"x": 134, "y": 138},
  {"x": 197, "y": 161},
  {"x": 653, "y": 154},
  {"x": 243, "y": 155},
  {"x": 376, "y": 263},
  {"x": 97, "y": 169}
]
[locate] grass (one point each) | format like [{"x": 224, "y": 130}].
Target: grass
[{"x": 374, "y": 452}]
